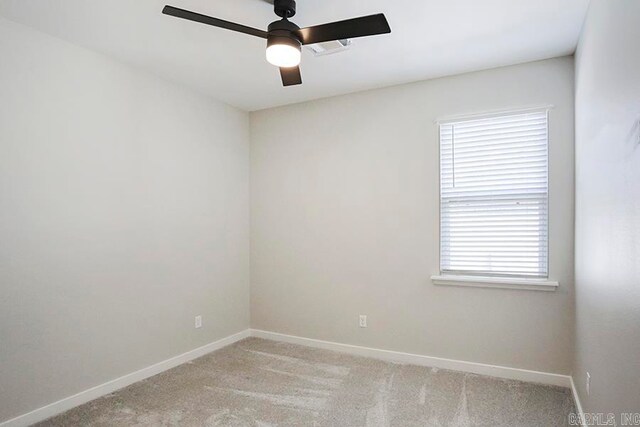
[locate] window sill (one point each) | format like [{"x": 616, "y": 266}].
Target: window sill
[{"x": 496, "y": 282}]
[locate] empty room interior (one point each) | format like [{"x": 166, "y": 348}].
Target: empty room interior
[{"x": 319, "y": 213}]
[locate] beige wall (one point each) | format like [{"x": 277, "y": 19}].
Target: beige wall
[
  {"x": 608, "y": 208},
  {"x": 344, "y": 221},
  {"x": 124, "y": 212}
]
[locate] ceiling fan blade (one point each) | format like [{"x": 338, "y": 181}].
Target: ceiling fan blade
[
  {"x": 204, "y": 19},
  {"x": 348, "y": 29},
  {"x": 290, "y": 76}
]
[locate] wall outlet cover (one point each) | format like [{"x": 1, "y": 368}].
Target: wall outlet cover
[{"x": 363, "y": 320}]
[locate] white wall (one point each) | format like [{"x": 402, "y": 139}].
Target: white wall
[
  {"x": 608, "y": 208},
  {"x": 124, "y": 212},
  {"x": 344, "y": 221}
]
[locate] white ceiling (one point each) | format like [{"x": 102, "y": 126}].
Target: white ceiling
[{"x": 430, "y": 38}]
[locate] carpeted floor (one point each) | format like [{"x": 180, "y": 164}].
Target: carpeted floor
[{"x": 261, "y": 383}]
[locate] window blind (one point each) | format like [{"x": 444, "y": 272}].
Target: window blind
[{"x": 494, "y": 196}]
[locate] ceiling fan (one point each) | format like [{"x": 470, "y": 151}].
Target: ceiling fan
[{"x": 285, "y": 39}]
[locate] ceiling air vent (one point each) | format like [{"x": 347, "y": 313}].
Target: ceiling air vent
[{"x": 327, "y": 48}]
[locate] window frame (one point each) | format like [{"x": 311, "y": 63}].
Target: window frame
[{"x": 484, "y": 280}]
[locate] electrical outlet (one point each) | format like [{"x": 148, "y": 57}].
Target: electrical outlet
[
  {"x": 198, "y": 321},
  {"x": 588, "y": 383},
  {"x": 363, "y": 320}
]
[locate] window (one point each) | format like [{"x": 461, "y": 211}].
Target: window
[{"x": 494, "y": 196}]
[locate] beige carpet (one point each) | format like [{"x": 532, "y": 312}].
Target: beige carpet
[{"x": 264, "y": 383}]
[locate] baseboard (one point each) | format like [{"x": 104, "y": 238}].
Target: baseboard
[
  {"x": 67, "y": 403},
  {"x": 417, "y": 359},
  {"x": 70, "y": 402},
  {"x": 576, "y": 399}
]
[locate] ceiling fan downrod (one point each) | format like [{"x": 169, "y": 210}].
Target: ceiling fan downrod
[{"x": 284, "y": 8}]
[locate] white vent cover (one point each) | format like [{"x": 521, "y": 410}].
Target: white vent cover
[{"x": 327, "y": 48}]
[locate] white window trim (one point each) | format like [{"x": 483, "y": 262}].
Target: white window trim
[
  {"x": 493, "y": 113},
  {"x": 495, "y": 282}
]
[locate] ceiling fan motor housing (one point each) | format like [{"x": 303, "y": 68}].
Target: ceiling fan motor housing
[
  {"x": 283, "y": 32},
  {"x": 284, "y": 8}
]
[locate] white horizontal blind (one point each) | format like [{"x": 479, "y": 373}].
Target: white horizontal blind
[{"x": 493, "y": 196}]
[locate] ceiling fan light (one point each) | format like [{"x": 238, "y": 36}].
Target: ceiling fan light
[{"x": 283, "y": 55}]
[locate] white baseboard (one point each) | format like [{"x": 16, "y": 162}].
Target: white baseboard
[
  {"x": 67, "y": 403},
  {"x": 576, "y": 399},
  {"x": 416, "y": 359}
]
